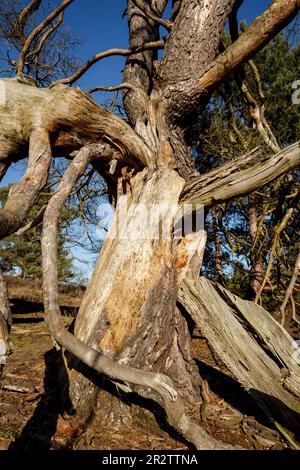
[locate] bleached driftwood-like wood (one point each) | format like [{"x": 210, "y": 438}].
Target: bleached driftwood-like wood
[
  {"x": 24, "y": 107},
  {"x": 129, "y": 310},
  {"x": 159, "y": 383},
  {"x": 234, "y": 329},
  {"x": 22, "y": 195}
]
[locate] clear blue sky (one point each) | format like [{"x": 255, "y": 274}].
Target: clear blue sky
[{"x": 100, "y": 25}]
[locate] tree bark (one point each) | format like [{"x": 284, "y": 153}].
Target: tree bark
[
  {"x": 3, "y": 170},
  {"x": 125, "y": 376},
  {"x": 222, "y": 186}
]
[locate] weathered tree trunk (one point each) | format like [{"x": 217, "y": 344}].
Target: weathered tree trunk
[
  {"x": 129, "y": 311},
  {"x": 236, "y": 329},
  {"x": 156, "y": 386}
]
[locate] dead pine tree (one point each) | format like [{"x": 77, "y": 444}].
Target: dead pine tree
[{"x": 132, "y": 324}]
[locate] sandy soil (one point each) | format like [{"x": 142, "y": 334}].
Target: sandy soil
[{"x": 30, "y": 417}]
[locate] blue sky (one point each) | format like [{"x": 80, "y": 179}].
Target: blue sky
[{"x": 100, "y": 26}]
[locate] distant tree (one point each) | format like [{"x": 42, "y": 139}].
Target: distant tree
[{"x": 244, "y": 229}]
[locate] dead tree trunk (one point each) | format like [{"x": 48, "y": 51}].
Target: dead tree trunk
[{"x": 129, "y": 327}]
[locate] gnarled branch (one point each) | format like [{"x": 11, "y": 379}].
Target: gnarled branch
[
  {"x": 259, "y": 33},
  {"x": 256, "y": 36},
  {"x": 35, "y": 54},
  {"x": 159, "y": 383},
  {"x": 19, "y": 25},
  {"x": 256, "y": 109}
]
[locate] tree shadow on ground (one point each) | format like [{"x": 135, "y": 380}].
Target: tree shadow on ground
[{"x": 38, "y": 431}]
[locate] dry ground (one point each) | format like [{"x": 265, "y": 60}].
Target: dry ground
[{"x": 30, "y": 417}]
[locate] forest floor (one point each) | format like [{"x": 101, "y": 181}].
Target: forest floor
[{"x": 30, "y": 417}]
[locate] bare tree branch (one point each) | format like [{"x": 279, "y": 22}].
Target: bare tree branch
[
  {"x": 23, "y": 194},
  {"x": 19, "y": 25},
  {"x": 220, "y": 188},
  {"x": 38, "y": 30},
  {"x": 122, "y": 86},
  {"x": 162, "y": 385},
  {"x": 256, "y": 109},
  {"x": 35, "y": 54},
  {"x": 259, "y": 33},
  {"x": 33, "y": 223},
  {"x": 110, "y": 52},
  {"x": 278, "y": 229},
  {"x": 167, "y": 24},
  {"x": 257, "y": 113}
]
